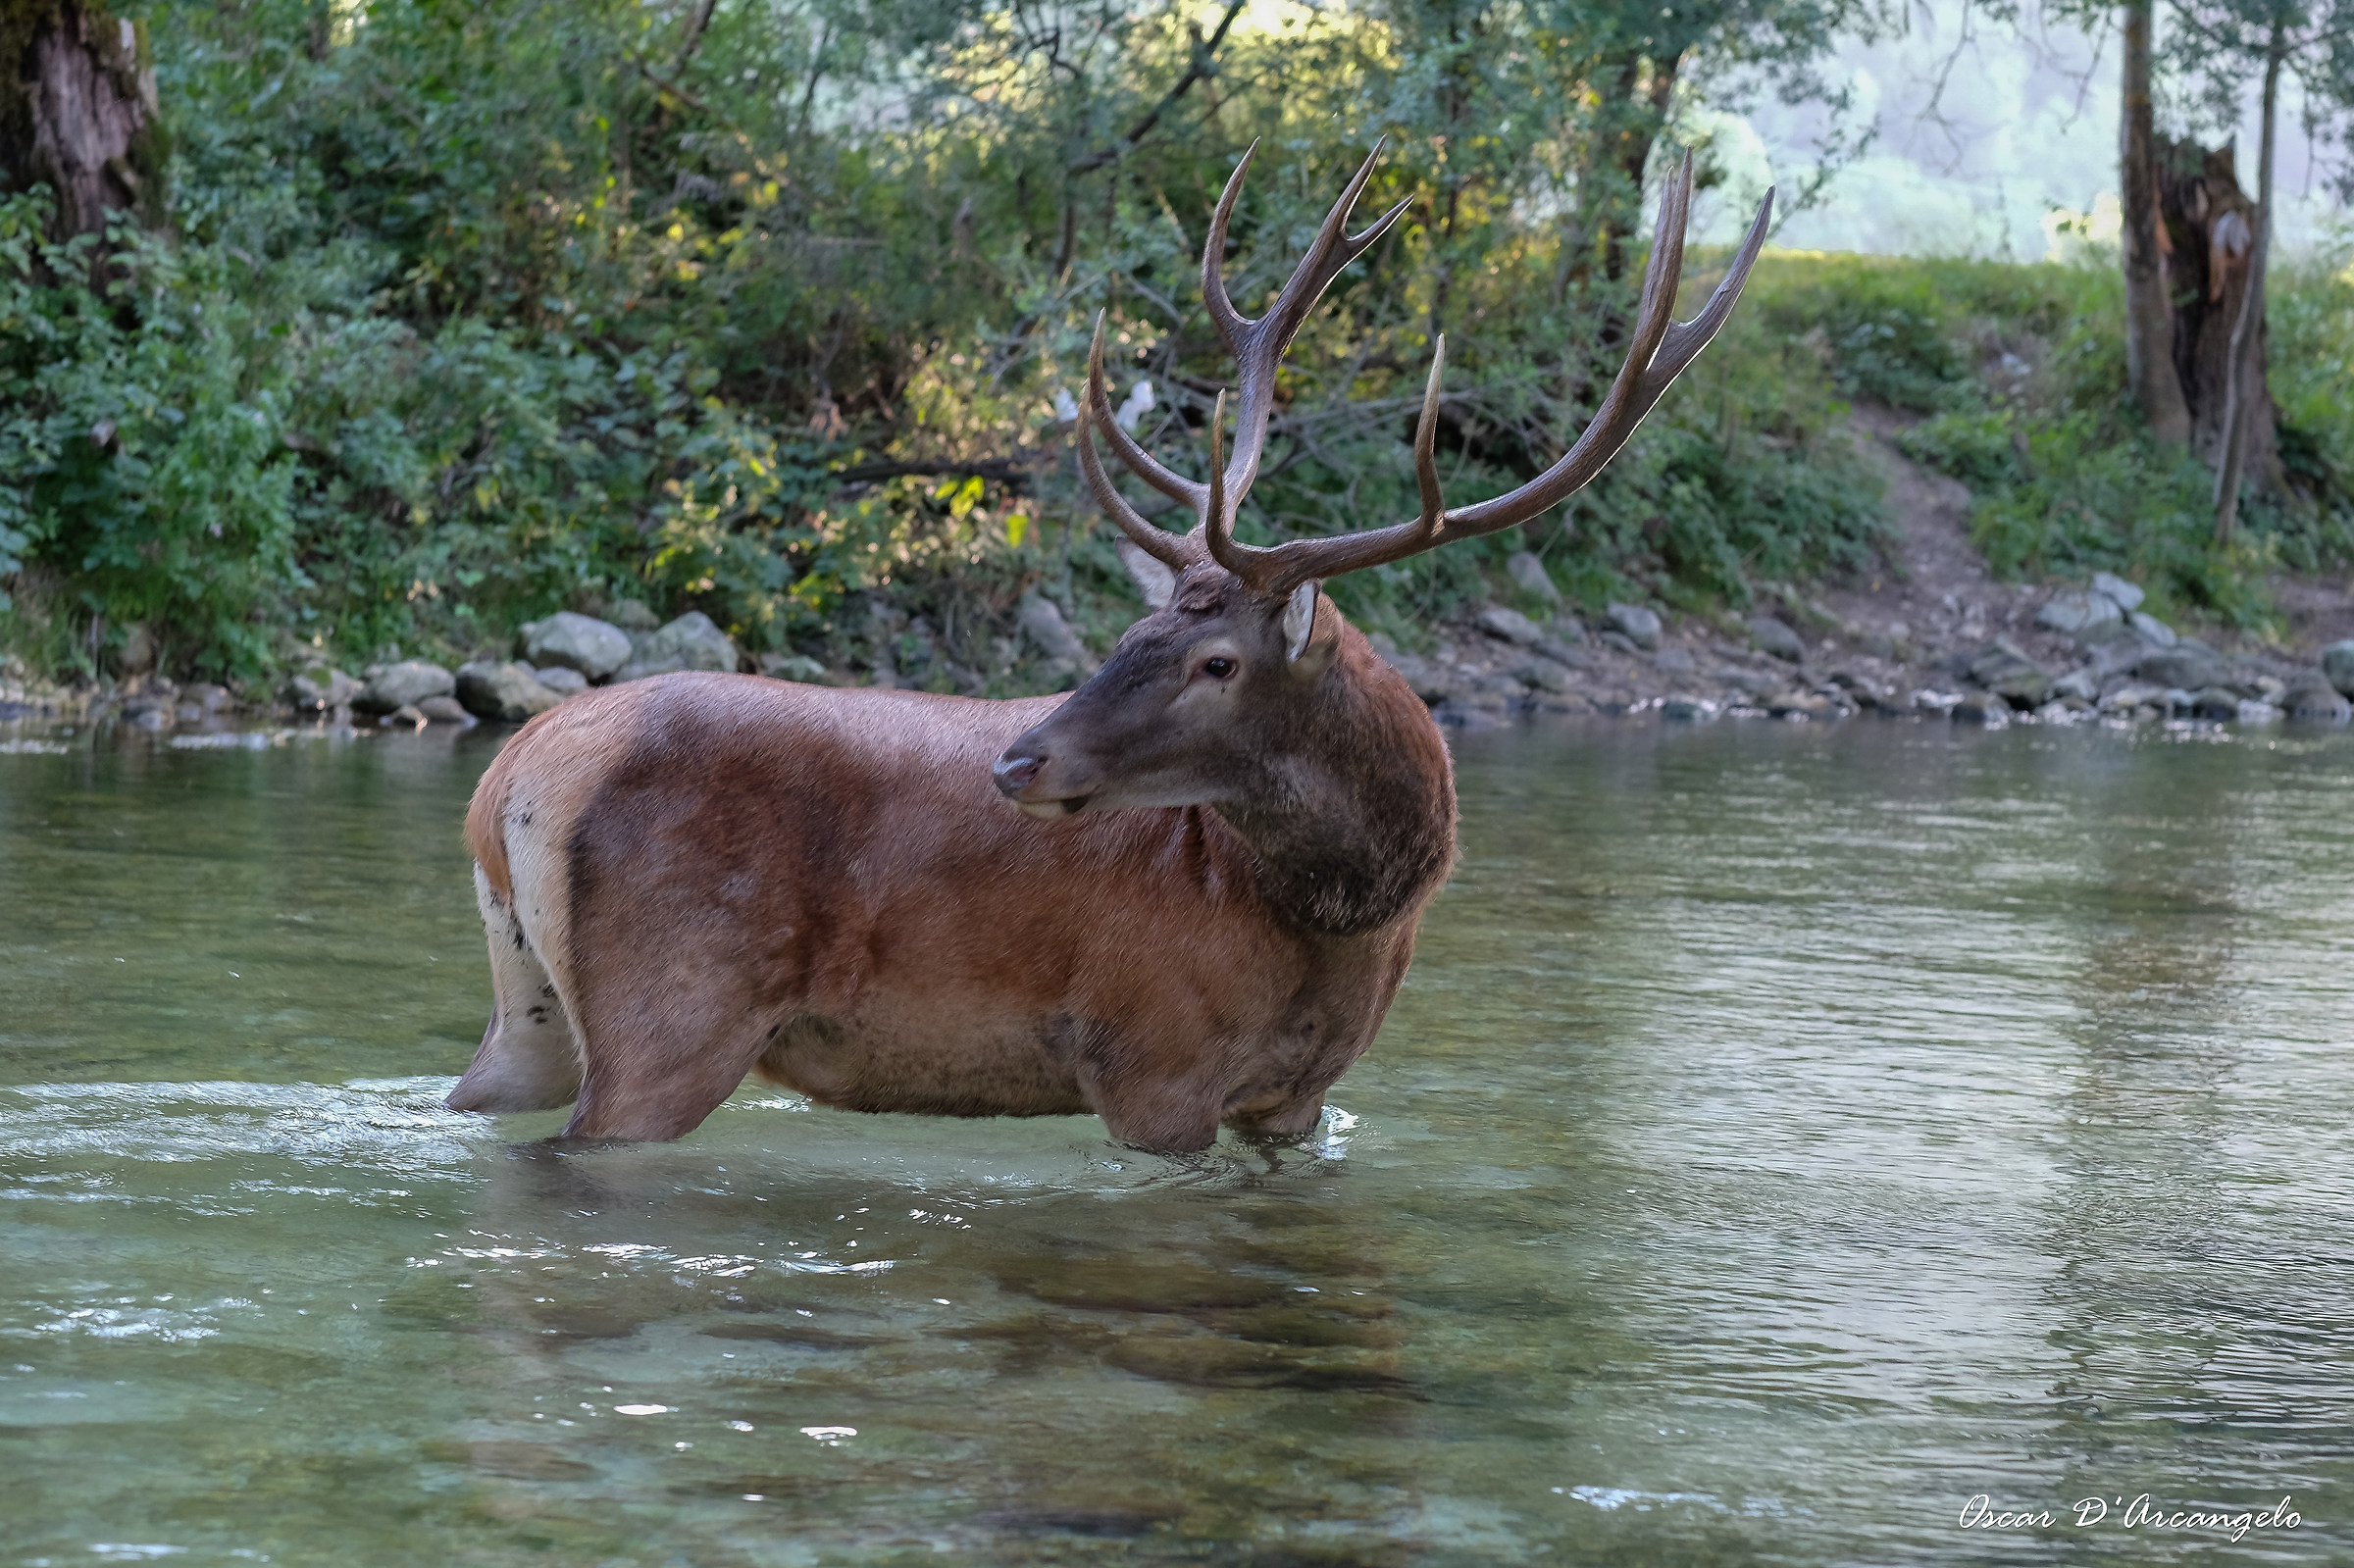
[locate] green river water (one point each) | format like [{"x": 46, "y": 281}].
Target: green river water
[{"x": 1787, "y": 1134}]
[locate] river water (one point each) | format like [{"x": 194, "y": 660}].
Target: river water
[{"x": 1787, "y": 1134}]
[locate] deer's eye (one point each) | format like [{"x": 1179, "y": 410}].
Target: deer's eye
[{"x": 1217, "y": 669}]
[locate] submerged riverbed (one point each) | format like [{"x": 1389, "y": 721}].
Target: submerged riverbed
[{"x": 1787, "y": 1134}]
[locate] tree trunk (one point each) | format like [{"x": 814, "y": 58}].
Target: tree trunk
[
  {"x": 78, "y": 113},
  {"x": 2149, "y": 357},
  {"x": 2245, "y": 380},
  {"x": 2210, "y": 230}
]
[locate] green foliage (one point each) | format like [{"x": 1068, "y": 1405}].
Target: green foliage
[{"x": 470, "y": 313}]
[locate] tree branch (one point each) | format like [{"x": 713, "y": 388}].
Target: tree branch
[{"x": 1197, "y": 70}]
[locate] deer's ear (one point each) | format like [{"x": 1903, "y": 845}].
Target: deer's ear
[
  {"x": 1309, "y": 634},
  {"x": 1154, "y": 578}
]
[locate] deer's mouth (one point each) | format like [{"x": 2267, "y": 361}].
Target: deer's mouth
[{"x": 1051, "y": 810}]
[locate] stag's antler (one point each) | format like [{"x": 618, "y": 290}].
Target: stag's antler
[{"x": 1661, "y": 349}]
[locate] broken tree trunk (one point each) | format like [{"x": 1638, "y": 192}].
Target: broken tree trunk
[
  {"x": 2209, "y": 236},
  {"x": 2142, "y": 244},
  {"x": 78, "y": 113}
]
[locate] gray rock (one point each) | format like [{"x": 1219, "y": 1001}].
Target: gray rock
[
  {"x": 1774, "y": 637},
  {"x": 1511, "y": 626},
  {"x": 1981, "y": 708},
  {"x": 1640, "y": 626},
  {"x": 2188, "y": 664},
  {"x": 209, "y": 698},
  {"x": 2252, "y": 711},
  {"x": 2126, "y": 698},
  {"x": 2005, "y": 669},
  {"x": 409, "y": 714},
  {"x": 2083, "y": 685},
  {"x": 504, "y": 692},
  {"x": 2152, "y": 630},
  {"x": 2115, "y": 651},
  {"x": 2078, "y": 615},
  {"x": 1043, "y": 623},
  {"x": 1545, "y": 675},
  {"x": 2214, "y": 702},
  {"x": 2318, "y": 701},
  {"x": 597, "y": 648},
  {"x": 322, "y": 690},
  {"x": 1616, "y": 638},
  {"x": 2118, "y": 592},
  {"x": 1528, "y": 573},
  {"x": 1749, "y": 682},
  {"x": 391, "y": 686},
  {"x": 562, "y": 681},
  {"x": 2338, "y": 666},
  {"x": 792, "y": 667},
  {"x": 690, "y": 642},
  {"x": 1800, "y": 704},
  {"x": 632, "y": 616},
  {"x": 446, "y": 710},
  {"x": 1674, "y": 660},
  {"x": 1687, "y": 710}
]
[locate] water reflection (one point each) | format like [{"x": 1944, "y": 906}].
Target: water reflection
[{"x": 1785, "y": 1135}]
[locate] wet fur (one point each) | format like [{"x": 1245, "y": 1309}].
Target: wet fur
[{"x": 694, "y": 877}]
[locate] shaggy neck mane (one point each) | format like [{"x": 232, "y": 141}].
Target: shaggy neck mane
[{"x": 1352, "y": 822}]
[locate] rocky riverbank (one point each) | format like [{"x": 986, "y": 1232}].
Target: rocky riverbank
[
  {"x": 2002, "y": 655},
  {"x": 2051, "y": 656}
]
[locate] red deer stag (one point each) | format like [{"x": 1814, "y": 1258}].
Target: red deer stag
[{"x": 1200, "y": 913}]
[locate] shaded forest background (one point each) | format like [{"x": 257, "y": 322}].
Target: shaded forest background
[{"x": 431, "y": 318}]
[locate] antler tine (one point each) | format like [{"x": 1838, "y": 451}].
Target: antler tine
[
  {"x": 1142, "y": 464},
  {"x": 1658, "y": 350},
  {"x": 1169, "y": 549},
  {"x": 1229, "y": 321},
  {"x": 1426, "y": 443},
  {"x": 1259, "y": 346},
  {"x": 1217, "y": 520}
]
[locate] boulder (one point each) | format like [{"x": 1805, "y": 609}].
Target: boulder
[
  {"x": 406, "y": 684},
  {"x": 1774, "y": 637},
  {"x": 505, "y": 694},
  {"x": 2188, "y": 664},
  {"x": 632, "y": 616},
  {"x": 1432, "y": 682},
  {"x": 322, "y": 690},
  {"x": 597, "y": 648},
  {"x": 1639, "y": 626},
  {"x": 2083, "y": 685},
  {"x": 690, "y": 642},
  {"x": 2338, "y": 666},
  {"x": 562, "y": 681},
  {"x": 408, "y": 714},
  {"x": 446, "y": 710},
  {"x": 2152, "y": 630},
  {"x": 792, "y": 667},
  {"x": 1528, "y": 573},
  {"x": 2214, "y": 702},
  {"x": 1674, "y": 660},
  {"x": 1687, "y": 710},
  {"x": 2126, "y": 596},
  {"x": 1544, "y": 674},
  {"x": 1043, "y": 623},
  {"x": 2079, "y": 614},
  {"x": 1983, "y": 708},
  {"x": 2005, "y": 669},
  {"x": 2318, "y": 701},
  {"x": 1511, "y": 626}
]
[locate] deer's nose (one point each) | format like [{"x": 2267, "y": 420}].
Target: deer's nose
[{"x": 1017, "y": 770}]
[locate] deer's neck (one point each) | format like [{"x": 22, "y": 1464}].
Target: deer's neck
[{"x": 1354, "y": 829}]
